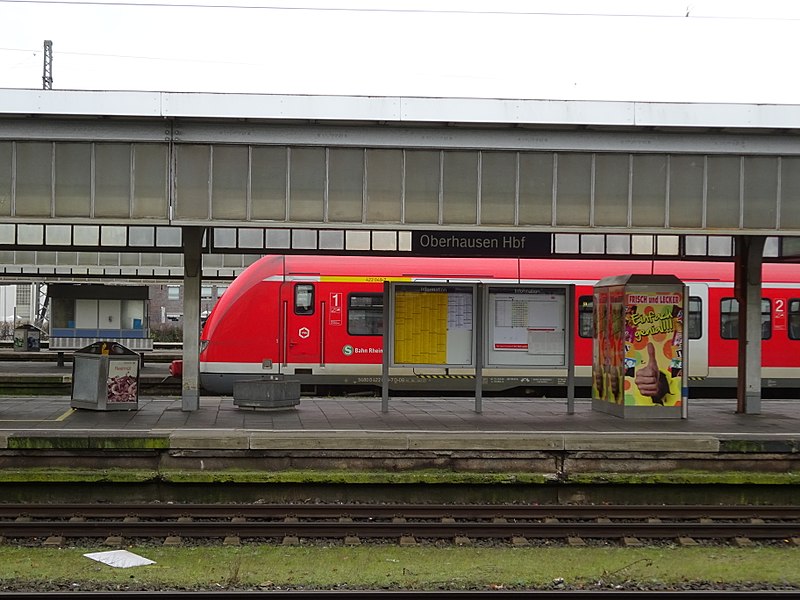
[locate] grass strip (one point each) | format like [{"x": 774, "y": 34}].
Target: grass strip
[{"x": 394, "y": 567}]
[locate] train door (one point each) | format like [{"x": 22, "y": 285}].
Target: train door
[
  {"x": 697, "y": 329},
  {"x": 302, "y": 330}
]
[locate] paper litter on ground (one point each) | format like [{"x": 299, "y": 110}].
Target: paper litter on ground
[{"x": 120, "y": 558}]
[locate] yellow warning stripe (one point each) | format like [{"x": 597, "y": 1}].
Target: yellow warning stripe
[
  {"x": 369, "y": 279},
  {"x": 61, "y": 418},
  {"x": 446, "y": 376}
]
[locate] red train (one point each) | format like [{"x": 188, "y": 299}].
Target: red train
[{"x": 320, "y": 320}]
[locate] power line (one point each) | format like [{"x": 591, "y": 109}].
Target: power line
[
  {"x": 296, "y": 8},
  {"x": 135, "y": 57},
  {"x": 108, "y": 3}
]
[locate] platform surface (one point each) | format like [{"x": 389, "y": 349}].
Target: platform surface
[
  {"x": 778, "y": 418},
  {"x": 448, "y": 417}
]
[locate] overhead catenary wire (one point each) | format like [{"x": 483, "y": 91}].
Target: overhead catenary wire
[{"x": 678, "y": 14}]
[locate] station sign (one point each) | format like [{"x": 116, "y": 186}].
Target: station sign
[{"x": 481, "y": 243}]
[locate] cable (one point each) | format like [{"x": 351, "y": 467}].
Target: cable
[
  {"x": 109, "y": 3},
  {"x": 134, "y": 57}
]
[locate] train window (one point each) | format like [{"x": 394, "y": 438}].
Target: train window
[
  {"x": 794, "y": 319},
  {"x": 585, "y": 316},
  {"x": 365, "y": 314},
  {"x": 695, "y": 324},
  {"x": 729, "y": 319},
  {"x": 304, "y": 299}
]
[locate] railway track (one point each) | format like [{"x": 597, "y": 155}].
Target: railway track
[{"x": 406, "y": 524}]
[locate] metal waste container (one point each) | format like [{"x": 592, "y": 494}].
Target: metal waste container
[
  {"x": 27, "y": 338},
  {"x": 105, "y": 376}
]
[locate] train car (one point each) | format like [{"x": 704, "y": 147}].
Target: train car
[{"x": 320, "y": 320}]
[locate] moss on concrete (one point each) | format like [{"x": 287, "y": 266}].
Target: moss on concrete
[
  {"x": 86, "y": 443},
  {"x": 130, "y": 443},
  {"x": 47, "y": 443},
  {"x": 77, "y": 475},
  {"x": 758, "y": 446},
  {"x": 686, "y": 477},
  {"x": 425, "y": 477},
  {"x": 352, "y": 477}
]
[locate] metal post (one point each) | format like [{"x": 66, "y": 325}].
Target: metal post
[
  {"x": 569, "y": 329},
  {"x": 192, "y": 238},
  {"x": 685, "y": 357},
  {"x": 749, "y": 252},
  {"x": 478, "y": 329},
  {"x": 386, "y": 341}
]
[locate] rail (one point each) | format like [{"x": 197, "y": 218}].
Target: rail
[{"x": 353, "y": 523}]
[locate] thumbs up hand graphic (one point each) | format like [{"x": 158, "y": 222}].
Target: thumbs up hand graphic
[{"x": 647, "y": 378}]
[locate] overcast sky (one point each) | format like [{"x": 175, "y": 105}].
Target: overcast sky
[{"x": 657, "y": 50}]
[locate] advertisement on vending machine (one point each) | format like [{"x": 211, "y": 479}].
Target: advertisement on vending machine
[{"x": 653, "y": 349}]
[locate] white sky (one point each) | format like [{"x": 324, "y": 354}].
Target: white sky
[{"x": 723, "y": 51}]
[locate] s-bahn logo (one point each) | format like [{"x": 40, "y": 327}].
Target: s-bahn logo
[
  {"x": 349, "y": 350},
  {"x": 304, "y": 332}
]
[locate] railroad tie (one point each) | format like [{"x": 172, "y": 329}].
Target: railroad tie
[
  {"x": 631, "y": 541},
  {"x": 575, "y": 541},
  {"x": 519, "y": 540},
  {"x": 114, "y": 541},
  {"x": 54, "y": 541},
  {"x": 291, "y": 540}
]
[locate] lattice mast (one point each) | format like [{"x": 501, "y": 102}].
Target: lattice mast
[{"x": 47, "y": 69}]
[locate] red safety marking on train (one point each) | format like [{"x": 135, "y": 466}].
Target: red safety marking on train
[{"x": 320, "y": 320}]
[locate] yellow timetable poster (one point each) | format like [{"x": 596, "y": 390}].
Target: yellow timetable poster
[{"x": 432, "y": 325}]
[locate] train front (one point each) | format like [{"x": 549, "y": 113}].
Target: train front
[{"x": 240, "y": 339}]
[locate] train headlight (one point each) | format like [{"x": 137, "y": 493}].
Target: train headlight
[{"x": 203, "y": 345}]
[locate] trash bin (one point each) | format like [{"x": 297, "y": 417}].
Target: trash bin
[
  {"x": 105, "y": 376},
  {"x": 27, "y": 338}
]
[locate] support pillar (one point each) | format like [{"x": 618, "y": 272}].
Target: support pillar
[
  {"x": 747, "y": 286},
  {"x": 192, "y": 279}
]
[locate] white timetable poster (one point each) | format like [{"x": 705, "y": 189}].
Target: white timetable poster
[{"x": 529, "y": 322}]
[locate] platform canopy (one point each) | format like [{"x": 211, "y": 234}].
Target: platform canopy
[{"x": 88, "y": 176}]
